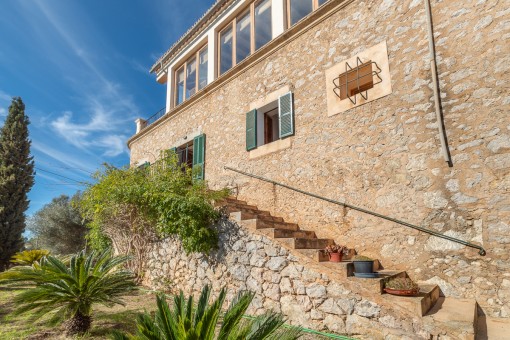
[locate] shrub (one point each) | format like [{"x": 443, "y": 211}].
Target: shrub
[
  {"x": 29, "y": 257},
  {"x": 68, "y": 292},
  {"x": 185, "y": 321},
  {"x": 132, "y": 206}
]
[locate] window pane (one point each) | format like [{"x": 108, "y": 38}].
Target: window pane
[
  {"x": 226, "y": 50},
  {"x": 179, "y": 91},
  {"x": 321, "y": 2},
  {"x": 299, "y": 9},
  {"x": 243, "y": 37},
  {"x": 263, "y": 24},
  {"x": 202, "y": 69},
  {"x": 191, "y": 77}
]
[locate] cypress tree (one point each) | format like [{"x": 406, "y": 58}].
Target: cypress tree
[{"x": 16, "y": 180}]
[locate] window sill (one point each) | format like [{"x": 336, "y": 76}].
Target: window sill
[{"x": 273, "y": 147}]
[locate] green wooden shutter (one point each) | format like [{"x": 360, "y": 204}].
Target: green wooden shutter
[
  {"x": 198, "y": 156},
  {"x": 286, "y": 115},
  {"x": 251, "y": 130}
]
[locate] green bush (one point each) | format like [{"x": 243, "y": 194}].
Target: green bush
[
  {"x": 160, "y": 198},
  {"x": 204, "y": 322},
  {"x": 29, "y": 257}
]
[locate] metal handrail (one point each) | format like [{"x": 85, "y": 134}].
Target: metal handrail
[
  {"x": 481, "y": 251},
  {"x": 156, "y": 116}
]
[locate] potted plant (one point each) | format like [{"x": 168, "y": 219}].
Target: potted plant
[
  {"x": 363, "y": 264},
  {"x": 335, "y": 252},
  {"x": 401, "y": 286}
]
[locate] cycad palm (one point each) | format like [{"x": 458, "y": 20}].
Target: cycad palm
[
  {"x": 67, "y": 292},
  {"x": 187, "y": 322}
]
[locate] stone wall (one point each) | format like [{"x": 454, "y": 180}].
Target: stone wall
[
  {"x": 384, "y": 155},
  {"x": 282, "y": 282}
]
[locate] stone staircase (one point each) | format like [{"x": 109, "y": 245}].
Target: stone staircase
[{"x": 443, "y": 317}]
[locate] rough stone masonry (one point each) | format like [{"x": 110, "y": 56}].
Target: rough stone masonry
[{"x": 384, "y": 155}]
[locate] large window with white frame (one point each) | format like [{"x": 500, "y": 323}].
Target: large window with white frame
[
  {"x": 298, "y": 9},
  {"x": 191, "y": 76},
  {"x": 241, "y": 37}
]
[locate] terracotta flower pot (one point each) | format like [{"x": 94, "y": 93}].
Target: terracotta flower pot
[
  {"x": 403, "y": 292},
  {"x": 335, "y": 257}
]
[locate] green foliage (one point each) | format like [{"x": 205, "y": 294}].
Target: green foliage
[
  {"x": 68, "y": 292},
  {"x": 185, "y": 321},
  {"x": 58, "y": 226},
  {"x": 29, "y": 257},
  {"x": 161, "y": 197},
  {"x": 16, "y": 179}
]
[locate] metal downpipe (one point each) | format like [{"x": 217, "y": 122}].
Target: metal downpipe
[{"x": 435, "y": 86}]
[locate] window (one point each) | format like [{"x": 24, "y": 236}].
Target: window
[
  {"x": 226, "y": 49},
  {"x": 357, "y": 80},
  {"x": 192, "y": 154},
  {"x": 298, "y": 9},
  {"x": 263, "y": 26},
  {"x": 247, "y": 33},
  {"x": 191, "y": 77},
  {"x": 270, "y": 122}
]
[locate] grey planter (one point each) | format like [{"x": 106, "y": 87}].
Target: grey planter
[{"x": 363, "y": 266}]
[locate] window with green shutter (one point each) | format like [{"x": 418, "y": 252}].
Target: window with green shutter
[
  {"x": 199, "y": 157},
  {"x": 270, "y": 122},
  {"x": 251, "y": 130}
]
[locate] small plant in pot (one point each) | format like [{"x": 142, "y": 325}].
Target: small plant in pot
[
  {"x": 336, "y": 252},
  {"x": 363, "y": 264},
  {"x": 401, "y": 286}
]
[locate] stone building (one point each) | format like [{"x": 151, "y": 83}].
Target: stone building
[{"x": 393, "y": 106}]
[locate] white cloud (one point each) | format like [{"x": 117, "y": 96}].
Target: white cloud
[
  {"x": 3, "y": 112},
  {"x": 63, "y": 157}
]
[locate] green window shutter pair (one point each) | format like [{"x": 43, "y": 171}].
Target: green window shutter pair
[
  {"x": 199, "y": 157},
  {"x": 285, "y": 116}
]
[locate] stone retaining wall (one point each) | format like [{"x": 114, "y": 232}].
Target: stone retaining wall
[{"x": 246, "y": 261}]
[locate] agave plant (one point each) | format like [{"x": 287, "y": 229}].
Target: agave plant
[
  {"x": 29, "y": 257},
  {"x": 68, "y": 292},
  {"x": 187, "y": 322}
]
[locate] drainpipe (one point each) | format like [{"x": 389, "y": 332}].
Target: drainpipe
[{"x": 435, "y": 86}]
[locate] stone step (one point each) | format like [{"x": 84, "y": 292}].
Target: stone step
[
  {"x": 341, "y": 269},
  {"x": 492, "y": 328},
  {"x": 234, "y": 200},
  {"x": 257, "y": 223},
  {"x": 420, "y": 304},
  {"x": 457, "y": 318},
  {"x": 376, "y": 285},
  {"x": 230, "y": 209},
  {"x": 307, "y": 243},
  {"x": 315, "y": 254},
  {"x": 243, "y": 215},
  {"x": 285, "y": 233}
]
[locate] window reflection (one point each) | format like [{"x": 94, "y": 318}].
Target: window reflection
[
  {"x": 191, "y": 77},
  {"x": 180, "y": 86},
  {"x": 202, "y": 69},
  {"x": 263, "y": 23},
  {"x": 243, "y": 37},
  {"x": 226, "y": 49},
  {"x": 299, "y": 9}
]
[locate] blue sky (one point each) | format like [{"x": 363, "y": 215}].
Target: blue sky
[{"x": 82, "y": 69}]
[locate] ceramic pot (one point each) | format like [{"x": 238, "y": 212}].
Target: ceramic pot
[
  {"x": 363, "y": 266},
  {"x": 335, "y": 257}
]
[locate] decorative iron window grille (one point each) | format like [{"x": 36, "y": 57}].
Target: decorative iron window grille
[{"x": 356, "y": 80}]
